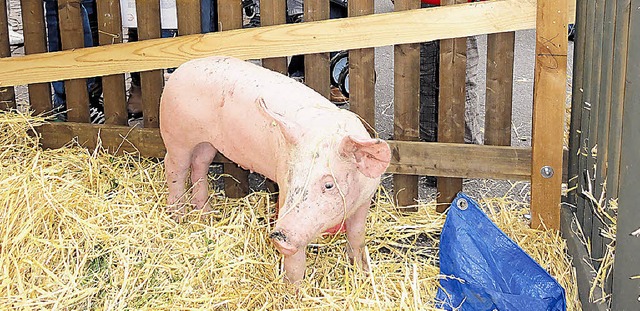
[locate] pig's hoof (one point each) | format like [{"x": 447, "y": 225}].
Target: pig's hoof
[{"x": 176, "y": 213}]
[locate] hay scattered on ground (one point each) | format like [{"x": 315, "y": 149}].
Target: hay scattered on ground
[
  {"x": 87, "y": 230},
  {"x": 607, "y": 212}
]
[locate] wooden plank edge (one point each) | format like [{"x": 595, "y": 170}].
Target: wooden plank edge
[
  {"x": 276, "y": 41},
  {"x": 118, "y": 139}
]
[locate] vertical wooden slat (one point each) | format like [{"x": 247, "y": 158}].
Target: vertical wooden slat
[
  {"x": 274, "y": 12},
  {"x": 596, "y": 73},
  {"x": 110, "y": 32},
  {"x": 362, "y": 71},
  {"x": 583, "y": 209},
  {"x": 406, "y": 103},
  {"x": 497, "y": 123},
  {"x": 453, "y": 60},
  {"x": 7, "y": 94},
  {"x": 188, "y": 17},
  {"x": 619, "y": 85},
  {"x": 594, "y": 97},
  {"x": 230, "y": 14},
  {"x": 626, "y": 285},
  {"x": 316, "y": 66},
  {"x": 548, "y": 112},
  {"x": 230, "y": 17},
  {"x": 72, "y": 37},
  {"x": 35, "y": 41},
  {"x": 591, "y": 227},
  {"x": 151, "y": 82},
  {"x": 577, "y": 91},
  {"x": 604, "y": 107}
]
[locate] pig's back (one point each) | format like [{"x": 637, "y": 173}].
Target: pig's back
[{"x": 215, "y": 100}]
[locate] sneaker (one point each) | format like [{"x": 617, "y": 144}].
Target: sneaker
[
  {"x": 337, "y": 97},
  {"x": 96, "y": 115}
]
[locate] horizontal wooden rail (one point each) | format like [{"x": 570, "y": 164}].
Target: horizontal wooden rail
[
  {"x": 413, "y": 158},
  {"x": 275, "y": 41}
]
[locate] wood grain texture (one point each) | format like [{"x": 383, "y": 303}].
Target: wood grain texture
[
  {"x": 451, "y": 103},
  {"x": 577, "y": 89},
  {"x": 362, "y": 76},
  {"x": 548, "y": 112},
  {"x": 188, "y": 12},
  {"x": 236, "y": 184},
  {"x": 113, "y": 87},
  {"x": 7, "y": 94},
  {"x": 273, "y": 12},
  {"x": 626, "y": 262},
  {"x": 71, "y": 37},
  {"x": 35, "y": 41},
  {"x": 316, "y": 66},
  {"x": 415, "y": 158},
  {"x": 497, "y": 122},
  {"x": 460, "y": 160},
  {"x": 406, "y": 103},
  {"x": 276, "y": 41},
  {"x": 151, "y": 82}
]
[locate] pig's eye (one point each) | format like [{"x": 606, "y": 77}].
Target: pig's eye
[{"x": 328, "y": 186}]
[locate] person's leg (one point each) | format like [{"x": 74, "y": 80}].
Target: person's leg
[{"x": 53, "y": 45}]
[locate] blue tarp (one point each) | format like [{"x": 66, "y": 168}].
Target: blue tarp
[{"x": 489, "y": 270}]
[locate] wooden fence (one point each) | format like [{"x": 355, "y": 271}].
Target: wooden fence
[
  {"x": 449, "y": 158},
  {"x": 605, "y": 149}
]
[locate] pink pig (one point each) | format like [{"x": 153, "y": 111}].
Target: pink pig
[{"x": 324, "y": 161}]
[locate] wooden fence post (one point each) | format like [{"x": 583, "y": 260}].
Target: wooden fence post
[
  {"x": 151, "y": 82},
  {"x": 274, "y": 12},
  {"x": 72, "y": 37},
  {"x": 626, "y": 285},
  {"x": 498, "y": 104},
  {"x": 451, "y": 105},
  {"x": 548, "y": 112},
  {"x": 362, "y": 71},
  {"x": 35, "y": 41},
  {"x": 406, "y": 104},
  {"x": 317, "y": 74},
  {"x": 230, "y": 17},
  {"x": 7, "y": 95},
  {"x": 113, "y": 87}
]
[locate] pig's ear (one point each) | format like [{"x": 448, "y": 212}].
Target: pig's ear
[
  {"x": 371, "y": 156},
  {"x": 289, "y": 129}
]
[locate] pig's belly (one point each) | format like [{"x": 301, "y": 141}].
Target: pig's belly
[{"x": 250, "y": 141}]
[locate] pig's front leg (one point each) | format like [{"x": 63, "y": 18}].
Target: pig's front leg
[
  {"x": 295, "y": 265},
  {"x": 356, "y": 224}
]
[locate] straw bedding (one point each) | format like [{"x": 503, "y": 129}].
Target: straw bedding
[{"x": 84, "y": 229}]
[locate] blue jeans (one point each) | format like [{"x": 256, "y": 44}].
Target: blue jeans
[{"x": 54, "y": 44}]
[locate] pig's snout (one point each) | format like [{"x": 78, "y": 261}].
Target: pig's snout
[{"x": 282, "y": 243}]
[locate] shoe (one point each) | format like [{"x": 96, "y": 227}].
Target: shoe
[
  {"x": 96, "y": 115},
  {"x": 134, "y": 103},
  {"x": 337, "y": 97},
  {"x": 15, "y": 38}
]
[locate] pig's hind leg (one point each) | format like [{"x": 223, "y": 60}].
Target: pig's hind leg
[
  {"x": 176, "y": 166},
  {"x": 201, "y": 158}
]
